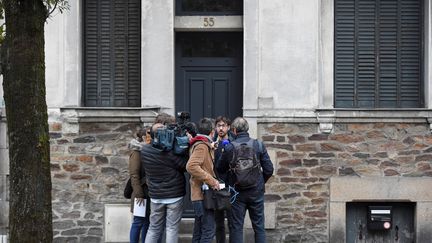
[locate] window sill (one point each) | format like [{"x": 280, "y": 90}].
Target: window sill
[
  {"x": 108, "y": 114},
  {"x": 327, "y": 117},
  {"x": 375, "y": 115}
]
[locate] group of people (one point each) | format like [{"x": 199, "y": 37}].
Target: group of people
[{"x": 158, "y": 179}]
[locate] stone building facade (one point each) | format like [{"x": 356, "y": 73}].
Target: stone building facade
[{"x": 326, "y": 156}]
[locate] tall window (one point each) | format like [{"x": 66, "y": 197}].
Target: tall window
[
  {"x": 112, "y": 50},
  {"x": 378, "y": 53}
]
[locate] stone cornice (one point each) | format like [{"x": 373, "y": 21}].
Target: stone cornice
[
  {"x": 327, "y": 117},
  {"x": 110, "y": 114}
]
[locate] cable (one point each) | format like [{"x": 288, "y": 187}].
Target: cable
[{"x": 234, "y": 194}]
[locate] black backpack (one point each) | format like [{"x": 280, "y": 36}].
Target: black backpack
[{"x": 245, "y": 166}]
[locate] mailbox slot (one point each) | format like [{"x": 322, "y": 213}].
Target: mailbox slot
[{"x": 379, "y": 217}]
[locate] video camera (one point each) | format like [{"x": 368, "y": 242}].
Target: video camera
[
  {"x": 173, "y": 136},
  {"x": 183, "y": 117},
  {"x": 185, "y": 124}
]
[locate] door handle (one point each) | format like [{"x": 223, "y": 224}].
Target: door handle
[{"x": 397, "y": 233}]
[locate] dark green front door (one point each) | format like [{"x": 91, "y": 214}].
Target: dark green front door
[
  {"x": 209, "y": 78},
  {"x": 209, "y": 74}
]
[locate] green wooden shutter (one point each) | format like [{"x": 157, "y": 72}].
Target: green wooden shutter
[
  {"x": 120, "y": 32},
  {"x": 388, "y": 53},
  {"x": 345, "y": 58},
  {"x": 411, "y": 57},
  {"x": 378, "y": 56},
  {"x": 134, "y": 53},
  {"x": 112, "y": 52},
  {"x": 365, "y": 52},
  {"x": 91, "y": 52}
]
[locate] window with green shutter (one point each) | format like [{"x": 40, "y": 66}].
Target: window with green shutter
[
  {"x": 112, "y": 51},
  {"x": 378, "y": 54}
]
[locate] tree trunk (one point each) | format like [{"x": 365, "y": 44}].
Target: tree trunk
[{"x": 23, "y": 68}]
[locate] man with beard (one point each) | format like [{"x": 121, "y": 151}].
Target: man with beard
[{"x": 224, "y": 136}]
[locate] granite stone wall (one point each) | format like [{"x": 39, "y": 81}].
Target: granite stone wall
[
  {"x": 306, "y": 159},
  {"x": 90, "y": 168}
]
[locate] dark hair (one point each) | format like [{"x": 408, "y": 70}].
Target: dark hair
[
  {"x": 165, "y": 119},
  {"x": 191, "y": 128},
  {"x": 141, "y": 133},
  {"x": 205, "y": 126},
  {"x": 223, "y": 119}
]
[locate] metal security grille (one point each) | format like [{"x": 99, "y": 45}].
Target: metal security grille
[
  {"x": 112, "y": 50},
  {"x": 378, "y": 54}
]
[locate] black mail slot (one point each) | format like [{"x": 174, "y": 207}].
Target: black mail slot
[{"x": 379, "y": 217}]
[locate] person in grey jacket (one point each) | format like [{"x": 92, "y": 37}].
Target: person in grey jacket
[{"x": 250, "y": 199}]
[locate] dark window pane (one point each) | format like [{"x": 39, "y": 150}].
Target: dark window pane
[
  {"x": 210, "y": 45},
  {"x": 209, "y": 7}
]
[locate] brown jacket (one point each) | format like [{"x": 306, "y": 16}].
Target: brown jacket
[
  {"x": 135, "y": 175},
  {"x": 200, "y": 167}
]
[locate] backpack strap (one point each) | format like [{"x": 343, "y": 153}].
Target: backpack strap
[
  {"x": 260, "y": 146},
  {"x": 234, "y": 155}
]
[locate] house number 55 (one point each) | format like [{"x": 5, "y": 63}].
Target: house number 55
[{"x": 209, "y": 22}]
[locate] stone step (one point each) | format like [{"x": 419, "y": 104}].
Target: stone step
[
  {"x": 186, "y": 230},
  {"x": 186, "y": 226},
  {"x": 185, "y": 238}
]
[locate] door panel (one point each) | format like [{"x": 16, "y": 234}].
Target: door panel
[
  {"x": 195, "y": 103},
  {"x": 207, "y": 93},
  {"x": 220, "y": 97}
]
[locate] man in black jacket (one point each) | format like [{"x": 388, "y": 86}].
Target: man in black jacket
[
  {"x": 252, "y": 198},
  {"x": 223, "y": 137},
  {"x": 167, "y": 186}
]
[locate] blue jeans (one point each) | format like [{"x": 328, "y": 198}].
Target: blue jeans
[
  {"x": 139, "y": 225},
  {"x": 220, "y": 224},
  {"x": 253, "y": 201},
  {"x": 166, "y": 216},
  {"x": 204, "y": 226}
]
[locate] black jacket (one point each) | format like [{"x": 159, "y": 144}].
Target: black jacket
[
  {"x": 221, "y": 172},
  {"x": 164, "y": 172},
  {"x": 263, "y": 157}
]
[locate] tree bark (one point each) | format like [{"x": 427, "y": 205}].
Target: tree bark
[{"x": 23, "y": 68}]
